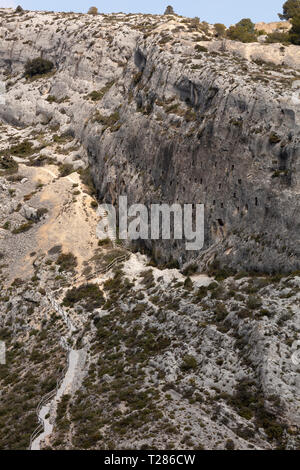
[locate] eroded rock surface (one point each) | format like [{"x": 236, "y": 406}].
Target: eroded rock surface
[
  {"x": 162, "y": 111},
  {"x": 176, "y": 116}
]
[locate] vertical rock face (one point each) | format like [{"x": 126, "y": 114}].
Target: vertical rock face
[
  {"x": 177, "y": 120},
  {"x": 162, "y": 112},
  {"x": 221, "y": 142}
]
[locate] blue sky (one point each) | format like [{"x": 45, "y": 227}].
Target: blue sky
[{"x": 213, "y": 11}]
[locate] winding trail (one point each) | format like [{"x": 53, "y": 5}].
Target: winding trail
[
  {"x": 64, "y": 384},
  {"x": 48, "y": 403},
  {"x": 65, "y": 388}
]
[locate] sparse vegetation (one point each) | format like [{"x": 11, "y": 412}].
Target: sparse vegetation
[
  {"x": 174, "y": 359},
  {"x": 278, "y": 37},
  {"x": 66, "y": 262},
  {"x": 65, "y": 169},
  {"x": 23, "y": 228},
  {"x": 87, "y": 180},
  {"x": 108, "y": 122},
  {"x": 8, "y": 165},
  {"x": 274, "y": 138},
  {"x": 24, "y": 149}
]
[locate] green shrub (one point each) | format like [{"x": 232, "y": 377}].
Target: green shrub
[
  {"x": 190, "y": 269},
  {"x": 87, "y": 180},
  {"x": 62, "y": 138},
  {"x": 199, "y": 48},
  {"x": 8, "y": 164},
  {"x": 65, "y": 169},
  {"x": 24, "y": 149},
  {"x": 220, "y": 29},
  {"x": 95, "y": 95},
  {"x": 169, "y": 10},
  {"x": 38, "y": 66},
  {"x": 278, "y": 37},
  {"x": 53, "y": 99},
  {"x": 137, "y": 77},
  {"x": 188, "y": 363},
  {"x": 188, "y": 284},
  {"x": 229, "y": 444},
  {"x": 274, "y": 138},
  {"x": 147, "y": 279},
  {"x": 6, "y": 226},
  {"x": 23, "y": 228},
  {"x": 107, "y": 121},
  {"x": 254, "y": 302},
  {"x": 221, "y": 312},
  {"x": 89, "y": 295},
  {"x": 93, "y": 11},
  {"x": 243, "y": 31},
  {"x": 66, "y": 262},
  {"x": 104, "y": 242},
  {"x": 220, "y": 273}
]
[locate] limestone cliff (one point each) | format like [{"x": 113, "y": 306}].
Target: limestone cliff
[
  {"x": 179, "y": 117},
  {"x": 162, "y": 111}
]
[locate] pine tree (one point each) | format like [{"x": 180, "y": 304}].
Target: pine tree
[
  {"x": 243, "y": 31},
  {"x": 93, "y": 11},
  {"x": 169, "y": 10},
  {"x": 295, "y": 31},
  {"x": 290, "y": 8}
]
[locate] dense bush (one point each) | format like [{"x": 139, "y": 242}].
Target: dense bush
[
  {"x": 278, "y": 36},
  {"x": 195, "y": 22},
  {"x": 8, "y": 164},
  {"x": 93, "y": 11},
  {"x": 66, "y": 262},
  {"x": 38, "y": 66},
  {"x": 169, "y": 10},
  {"x": 23, "y": 149},
  {"x": 188, "y": 363},
  {"x": 243, "y": 31},
  {"x": 88, "y": 294},
  {"x": 220, "y": 29},
  {"x": 229, "y": 444}
]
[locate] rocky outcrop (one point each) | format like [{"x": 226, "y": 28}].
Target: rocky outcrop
[
  {"x": 179, "y": 117},
  {"x": 274, "y": 26}
]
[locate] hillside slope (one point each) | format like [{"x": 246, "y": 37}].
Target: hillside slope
[
  {"x": 159, "y": 109},
  {"x": 178, "y": 117}
]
